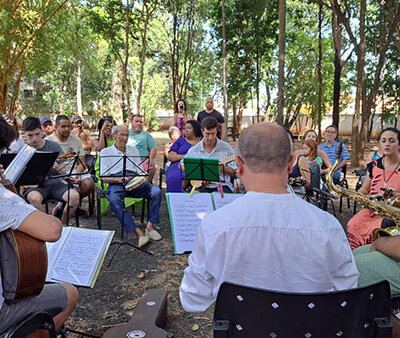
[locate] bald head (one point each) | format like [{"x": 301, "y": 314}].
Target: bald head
[{"x": 265, "y": 148}]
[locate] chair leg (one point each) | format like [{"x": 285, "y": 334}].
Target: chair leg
[
  {"x": 340, "y": 204},
  {"x": 355, "y": 208},
  {"x": 143, "y": 209},
  {"x": 98, "y": 211}
]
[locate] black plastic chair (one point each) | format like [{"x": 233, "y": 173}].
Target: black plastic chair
[
  {"x": 345, "y": 184},
  {"x": 318, "y": 193},
  {"x": 362, "y": 174},
  {"x": 357, "y": 313},
  {"x": 32, "y": 322}
]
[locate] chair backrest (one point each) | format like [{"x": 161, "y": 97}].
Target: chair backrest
[
  {"x": 248, "y": 312},
  {"x": 315, "y": 175}
]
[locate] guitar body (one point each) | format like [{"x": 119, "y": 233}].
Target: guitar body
[
  {"x": 32, "y": 264},
  {"x": 23, "y": 262}
]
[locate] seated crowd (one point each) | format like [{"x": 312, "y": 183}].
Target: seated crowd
[{"x": 245, "y": 242}]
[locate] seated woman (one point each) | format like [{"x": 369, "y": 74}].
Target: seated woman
[
  {"x": 381, "y": 173},
  {"x": 310, "y": 156},
  {"x": 311, "y": 134},
  {"x": 178, "y": 151},
  {"x": 18, "y": 142},
  {"x": 173, "y": 134}
]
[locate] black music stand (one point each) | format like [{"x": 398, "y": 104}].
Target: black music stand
[
  {"x": 37, "y": 169},
  {"x": 75, "y": 159},
  {"x": 135, "y": 168}
]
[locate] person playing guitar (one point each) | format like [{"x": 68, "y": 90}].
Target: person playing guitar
[{"x": 16, "y": 214}]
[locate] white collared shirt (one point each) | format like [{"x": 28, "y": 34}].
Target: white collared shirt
[
  {"x": 112, "y": 161},
  {"x": 269, "y": 241},
  {"x": 221, "y": 151}
]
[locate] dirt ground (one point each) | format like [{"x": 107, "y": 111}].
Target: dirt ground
[{"x": 119, "y": 287}]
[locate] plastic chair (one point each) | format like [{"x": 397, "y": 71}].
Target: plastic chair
[
  {"x": 249, "y": 312},
  {"x": 345, "y": 184},
  {"x": 32, "y": 322}
]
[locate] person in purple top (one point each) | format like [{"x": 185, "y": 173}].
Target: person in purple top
[{"x": 178, "y": 151}]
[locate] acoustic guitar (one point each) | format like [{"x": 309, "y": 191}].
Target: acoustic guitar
[{"x": 23, "y": 261}]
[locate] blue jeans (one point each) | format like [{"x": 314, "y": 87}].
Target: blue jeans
[{"x": 116, "y": 193}]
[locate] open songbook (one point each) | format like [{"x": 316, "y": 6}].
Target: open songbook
[
  {"x": 76, "y": 258},
  {"x": 186, "y": 213}
]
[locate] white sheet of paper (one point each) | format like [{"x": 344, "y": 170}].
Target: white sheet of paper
[
  {"x": 18, "y": 164},
  {"x": 77, "y": 262},
  {"x": 186, "y": 214},
  {"x": 53, "y": 250},
  {"x": 220, "y": 202}
]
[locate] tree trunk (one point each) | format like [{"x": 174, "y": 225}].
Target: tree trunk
[
  {"x": 281, "y": 70},
  {"x": 360, "y": 93},
  {"x": 78, "y": 87},
  {"x": 319, "y": 67},
  {"x": 337, "y": 41},
  {"x": 125, "y": 63},
  {"x": 224, "y": 71},
  {"x": 173, "y": 58},
  {"x": 116, "y": 94}
]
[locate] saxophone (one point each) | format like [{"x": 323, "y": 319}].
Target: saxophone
[{"x": 379, "y": 208}]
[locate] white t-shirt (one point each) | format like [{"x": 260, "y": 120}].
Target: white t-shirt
[
  {"x": 268, "y": 241},
  {"x": 73, "y": 144},
  {"x": 13, "y": 211}
]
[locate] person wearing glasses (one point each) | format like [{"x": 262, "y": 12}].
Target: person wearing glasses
[{"x": 329, "y": 147}]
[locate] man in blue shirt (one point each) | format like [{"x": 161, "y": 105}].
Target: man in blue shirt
[{"x": 330, "y": 149}]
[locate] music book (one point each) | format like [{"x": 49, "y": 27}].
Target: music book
[
  {"x": 77, "y": 256},
  {"x": 186, "y": 214},
  {"x": 18, "y": 164}
]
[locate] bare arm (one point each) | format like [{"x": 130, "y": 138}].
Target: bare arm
[
  {"x": 174, "y": 119},
  {"x": 326, "y": 161},
  {"x": 365, "y": 188},
  {"x": 341, "y": 164},
  {"x": 389, "y": 246},
  {"x": 222, "y": 131},
  {"x": 41, "y": 226},
  {"x": 305, "y": 169},
  {"x": 152, "y": 155},
  {"x": 174, "y": 156}
]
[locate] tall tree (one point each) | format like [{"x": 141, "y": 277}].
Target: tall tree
[{"x": 281, "y": 71}]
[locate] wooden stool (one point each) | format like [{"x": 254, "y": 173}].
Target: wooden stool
[{"x": 149, "y": 318}]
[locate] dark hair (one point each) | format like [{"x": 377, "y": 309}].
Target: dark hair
[
  {"x": 101, "y": 122},
  {"x": 14, "y": 122},
  {"x": 209, "y": 123},
  {"x": 176, "y": 105},
  {"x": 332, "y": 126},
  {"x": 311, "y": 131},
  {"x": 196, "y": 127},
  {"x": 290, "y": 134},
  {"x": 136, "y": 115},
  {"x": 7, "y": 134},
  {"x": 393, "y": 130},
  {"x": 31, "y": 123},
  {"x": 60, "y": 118}
]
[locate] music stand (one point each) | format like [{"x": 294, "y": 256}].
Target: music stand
[
  {"x": 75, "y": 159},
  {"x": 135, "y": 170},
  {"x": 203, "y": 169}
]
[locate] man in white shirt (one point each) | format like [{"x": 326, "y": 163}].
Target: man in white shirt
[
  {"x": 268, "y": 238},
  {"x": 16, "y": 214},
  {"x": 111, "y": 164}
]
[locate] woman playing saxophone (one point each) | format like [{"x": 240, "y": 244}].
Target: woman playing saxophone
[{"x": 382, "y": 175}]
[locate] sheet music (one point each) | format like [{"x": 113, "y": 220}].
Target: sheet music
[
  {"x": 220, "y": 202},
  {"x": 186, "y": 214},
  {"x": 18, "y": 164},
  {"x": 53, "y": 249},
  {"x": 80, "y": 257}
]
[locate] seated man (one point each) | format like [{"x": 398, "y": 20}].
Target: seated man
[
  {"x": 248, "y": 241},
  {"x": 51, "y": 187},
  {"x": 111, "y": 164},
  {"x": 144, "y": 143},
  {"x": 47, "y": 126},
  {"x": 16, "y": 214},
  {"x": 212, "y": 147},
  {"x": 329, "y": 147},
  {"x": 71, "y": 143}
]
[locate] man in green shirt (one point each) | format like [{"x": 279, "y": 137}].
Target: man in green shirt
[{"x": 144, "y": 143}]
